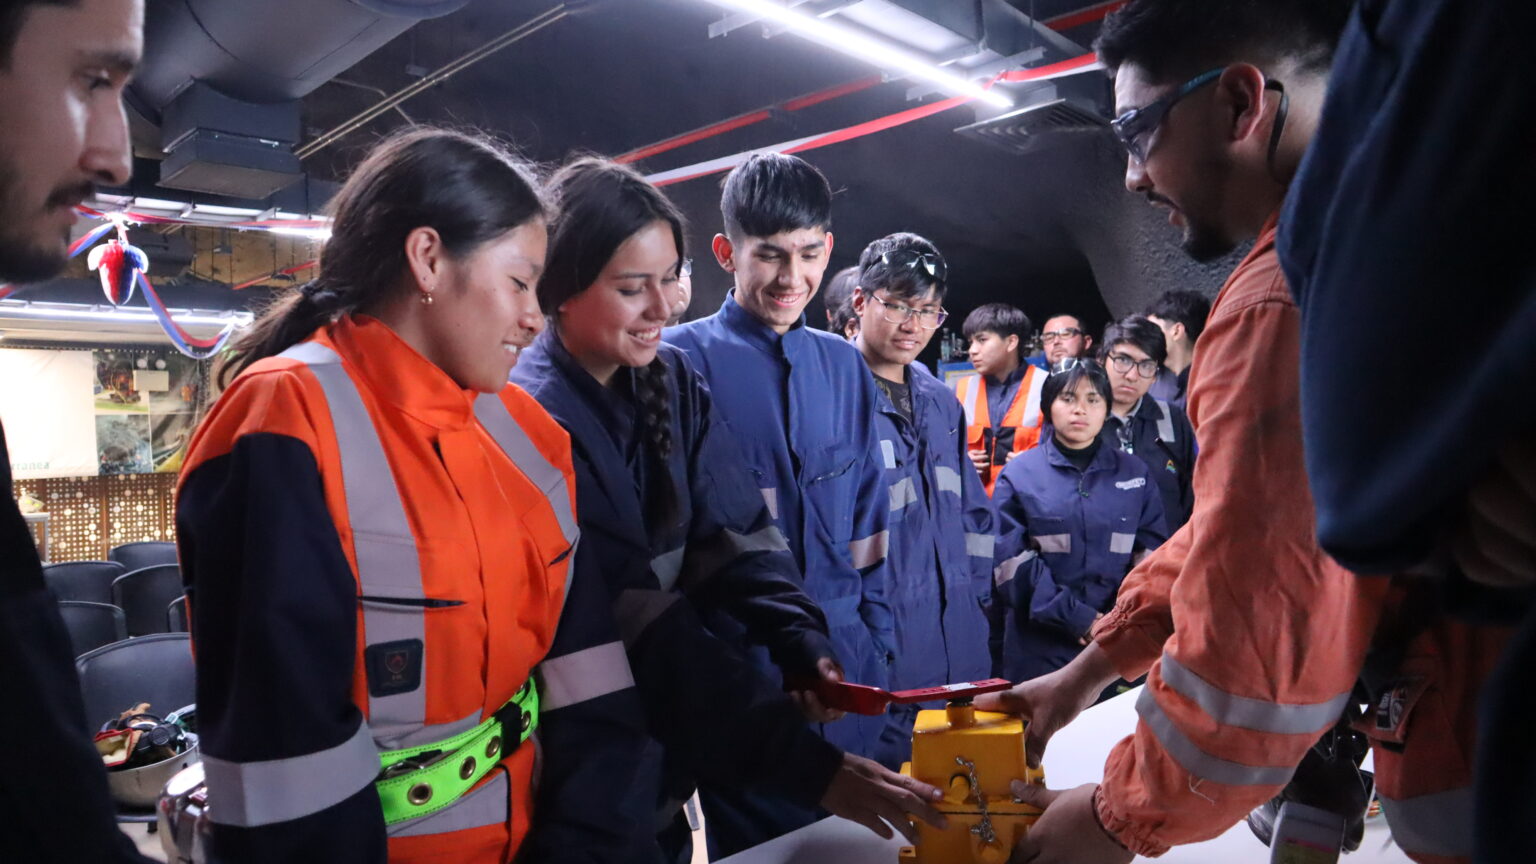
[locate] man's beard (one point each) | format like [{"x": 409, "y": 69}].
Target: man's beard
[
  {"x": 1204, "y": 243},
  {"x": 22, "y": 257}
]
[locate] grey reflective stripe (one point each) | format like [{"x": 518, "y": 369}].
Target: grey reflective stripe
[
  {"x": 1200, "y": 763},
  {"x": 1248, "y": 713},
  {"x": 477, "y": 809},
  {"x": 668, "y": 566},
  {"x": 771, "y": 501},
  {"x": 1008, "y": 569},
  {"x": 868, "y": 551},
  {"x": 571, "y": 679},
  {"x": 710, "y": 555},
  {"x": 635, "y": 609},
  {"x": 1437, "y": 824},
  {"x": 903, "y": 492},
  {"x": 251, "y": 794},
  {"x": 971, "y": 387},
  {"x": 388, "y": 564},
  {"x": 1054, "y": 543},
  {"x": 888, "y": 453},
  {"x": 1032, "y": 406},
  {"x": 431, "y": 732},
  {"x": 980, "y": 545},
  {"x": 947, "y": 479},
  {"x": 1164, "y": 422},
  {"x": 1140, "y": 557},
  {"x": 1122, "y": 544},
  {"x": 515, "y": 443}
]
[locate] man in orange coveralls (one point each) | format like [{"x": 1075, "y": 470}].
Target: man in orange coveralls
[{"x": 1251, "y": 637}]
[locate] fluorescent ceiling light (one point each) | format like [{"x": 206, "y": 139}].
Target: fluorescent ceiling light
[
  {"x": 852, "y": 42},
  {"x": 321, "y": 234},
  {"x": 81, "y": 312}
]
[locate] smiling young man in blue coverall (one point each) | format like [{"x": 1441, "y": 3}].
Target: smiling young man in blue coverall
[{"x": 802, "y": 406}]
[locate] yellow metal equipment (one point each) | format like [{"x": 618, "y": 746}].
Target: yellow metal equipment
[{"x": 973, "y": 756}]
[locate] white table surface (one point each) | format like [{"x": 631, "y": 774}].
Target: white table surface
[{"x": 1076, "y": 756}]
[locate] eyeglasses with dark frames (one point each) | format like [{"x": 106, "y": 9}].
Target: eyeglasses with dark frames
[
  {"x": 1124, "y": 362},
  {"x": 900, "y": 313},
  {"x": 1134, "y": 128}
]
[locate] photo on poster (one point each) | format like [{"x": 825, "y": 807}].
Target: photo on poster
[
  {"x": 184, "y": 384},
  {"x": 169, "y": 436},
  {"x": 122, "y": 444},
  {"x": 116, "y": 391}
]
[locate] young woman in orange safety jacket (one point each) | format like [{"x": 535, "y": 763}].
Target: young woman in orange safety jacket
[
  {"x": 674, "y": 524},
  {"x": 376, "y": 533}
]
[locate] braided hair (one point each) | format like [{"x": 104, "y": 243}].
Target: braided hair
[
  {"x": 469, "y": 188},
  {"x": 599, "y": 205}
]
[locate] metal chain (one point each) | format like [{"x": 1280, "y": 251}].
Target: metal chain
[{"x": 982, "y": 829}]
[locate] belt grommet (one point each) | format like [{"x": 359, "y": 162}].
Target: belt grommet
[
  {"x": 419, "y": 794},
  {"x": 467, "y": 770},
  {"x": 492, "y": 747},
  {"x": 527, "y": 721}
]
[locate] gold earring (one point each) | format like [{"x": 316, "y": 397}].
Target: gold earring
[{"x": 426, "y": 298}]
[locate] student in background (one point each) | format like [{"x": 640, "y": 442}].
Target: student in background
[
  {"x": 838, "y": 298},
  {"x": 1151, "y": 429},
  {"x": 1181, "y": 316},
  {"x": 1074, "y": 516},
  {"x": 802, "y": 405},
  {"x": 942, "y": 527},
  {"x": 1002, "y": 400},
  {"x": 1064, "y": 336},
  {"x": 672, "y": 521}
]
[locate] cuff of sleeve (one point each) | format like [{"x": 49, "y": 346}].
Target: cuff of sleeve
[
  {"x": 1131, "y": 646},
  {"x": 798, "y": 655},
  {"x": 1080, "y": 620},
  {"x": 805, "y": 777},
  {"x": 1125, "y": 832}
]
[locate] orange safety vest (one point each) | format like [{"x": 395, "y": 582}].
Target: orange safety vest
[
  {"x": 488, "y": 522},
  {"x": 1023, "y": 417}
]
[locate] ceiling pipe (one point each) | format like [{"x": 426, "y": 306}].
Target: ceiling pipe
[{"x": 432, "y": 79}]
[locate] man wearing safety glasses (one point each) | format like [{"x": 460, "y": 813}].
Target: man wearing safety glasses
[
  {"x": 1250, "y": 636},
  {"x": 941, "y": 524}
]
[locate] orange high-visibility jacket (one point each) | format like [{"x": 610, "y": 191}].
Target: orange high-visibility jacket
[
  {"x": 1250, "y": 635},
  {"x": 377, "y": 560},
  {"x": 1022, "y": 420}
]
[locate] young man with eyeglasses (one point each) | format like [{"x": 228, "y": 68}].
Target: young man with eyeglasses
[
  {"x": 941, "y": 522},
  {"x": 1251, "y": 637},
  {"x": 63, "y": 67},
  {"x": 1063, "y": 336},
  {"x": 802, "y": 406},
  {"x": 1002, "y": 400},
  {"x": 1181, "y": 316},
  {"x": 1153, "y": 430}
]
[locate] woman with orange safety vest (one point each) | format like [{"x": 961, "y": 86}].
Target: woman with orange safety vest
[
  {"x": 376, "y": 532},
  {"x": 1002, "y": 400},
  {"x": 674, "y": 523}
]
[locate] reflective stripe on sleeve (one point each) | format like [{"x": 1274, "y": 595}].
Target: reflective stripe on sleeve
[
  {"x": 980, "y": 545},
  {"x": 903, "y": 492},
  {"x": 771, "y": 500},
  {"x": 947, "y": 479},
  {"x": 584, "y": 675},
  {"x": 1200, "y": 763},
  {"x": 868, "y": 551},
  {"x": 1437, "y": 824},
  {"x": 1008, "y": 569},
  {"x": 668, "y": 566},
  {"x": 713, "y": 554},
  {"x": 1248, "y": 713},
  {"x": 1053, "y": 543},
  {"x": 252, "y": 794},
  {"x": 636, "y": 610}
]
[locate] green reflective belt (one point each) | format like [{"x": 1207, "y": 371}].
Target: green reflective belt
[{"x": 420, "y": 780}]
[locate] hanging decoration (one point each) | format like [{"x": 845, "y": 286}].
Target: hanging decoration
[{"x": 119, "y": 265}]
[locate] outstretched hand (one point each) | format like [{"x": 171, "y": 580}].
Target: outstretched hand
[{"x": 872, "y": 795}]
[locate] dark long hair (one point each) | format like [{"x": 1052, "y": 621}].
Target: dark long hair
[
  {"x": 600, "y": 204},
  {"x": 468, "y": 188},
  {"x": 1063, "y": 379}
]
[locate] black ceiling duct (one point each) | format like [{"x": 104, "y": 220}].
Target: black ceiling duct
[{"x": 218, "y": 95}]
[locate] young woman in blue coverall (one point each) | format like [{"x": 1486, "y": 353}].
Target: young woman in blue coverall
[
  {"x": 1074, "y": 517},
  {"x": 672, "y": 521}
]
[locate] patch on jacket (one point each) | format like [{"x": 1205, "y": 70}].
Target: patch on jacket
[{"x": 1135, "y": 483}]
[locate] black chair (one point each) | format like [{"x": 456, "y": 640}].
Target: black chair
[
  {"x": 148, "y": 553},
  {"x": 176, "y": 615},
  {"x": 156, "y": 669},
  {"x": 90, "y": 581},
  {"x": 143, "y": 595},
  {"x": 92, "y": 625}
]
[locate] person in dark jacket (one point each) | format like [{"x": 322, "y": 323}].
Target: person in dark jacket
[
  {"x": 1075, "y": 516},
  {"x": 803, "y": 409},
  {"x": 55, "y": 801},
  {"x": 1181, "y": 316},
  {"x": 942, "y": 526},
  {"x": 1153, "y": 430},
  {"x": 674, "y": 524}
]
